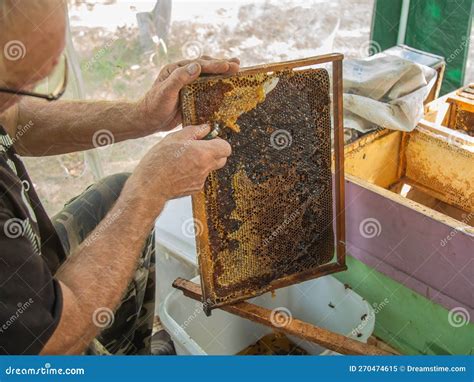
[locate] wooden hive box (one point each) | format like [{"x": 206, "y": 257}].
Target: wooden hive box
[{"x": 410, "y": 208}]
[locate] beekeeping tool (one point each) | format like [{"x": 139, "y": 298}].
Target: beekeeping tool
[
  {"x": 216, "y": 129},
  {"x": 270, "y": 217}
]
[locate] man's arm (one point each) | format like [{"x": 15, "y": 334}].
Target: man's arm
[
  {"x": 97, "y": 274},
  {"x": 44, "y": 128},
  {"x": 52, "y": 128}
]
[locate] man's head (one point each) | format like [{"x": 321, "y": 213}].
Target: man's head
[{"x": 31, "y": 41}]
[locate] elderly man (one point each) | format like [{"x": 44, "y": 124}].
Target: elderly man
[{"x": 83, "y": 281}]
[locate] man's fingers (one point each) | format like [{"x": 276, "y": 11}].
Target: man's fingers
[
  {"x": 182, "y": 76},
  {"x": 209, "y": 65},
  {"x": 170, "y": 68},
  {"x": 234, "y": 67},
  {"x": 220, "y": 163},
  {"x": 195, "y": 132},
  {"x": 166, "y": 71},
  {"x": 215, "y": 66},
  {"x": 219, "y": 147},
  {"x": 209, "y": 58}
]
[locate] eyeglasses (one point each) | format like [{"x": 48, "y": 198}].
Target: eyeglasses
[{"x": 57, "y": 81}]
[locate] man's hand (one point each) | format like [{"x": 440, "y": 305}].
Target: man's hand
[
  {"x": 67, "y": 126},
  {"x": 177, "y": 166},
  {"x": 160, "y": 106}
]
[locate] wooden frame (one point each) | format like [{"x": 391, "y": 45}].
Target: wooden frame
[
  {"x": 338, "y": 176},
  {"x": 434, "y": 227},
  {"x": 387, "y": 157},
  {"x": 330, "y": 340}
]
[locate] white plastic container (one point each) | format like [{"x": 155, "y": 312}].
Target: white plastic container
[
  {"x": 324, "y": 302},
  {"x": 175, "y": 246},
  {"x": 224, "y": 333}
]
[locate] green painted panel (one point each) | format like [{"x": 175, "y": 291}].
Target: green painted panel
[
  {"x": 442, "y": 27},
  {"x": 404, "y": 319},
  {"x": 385, "y": 21}
]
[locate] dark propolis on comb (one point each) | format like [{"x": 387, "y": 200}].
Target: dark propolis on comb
[{"x": 265, "y": 220}]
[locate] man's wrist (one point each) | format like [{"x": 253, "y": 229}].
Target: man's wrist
[
  {"x": 142, "y": 113},
  {"x": 140, "y": 201}
]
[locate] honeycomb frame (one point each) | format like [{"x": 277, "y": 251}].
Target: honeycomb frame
[{"x": 253, "y": 106}]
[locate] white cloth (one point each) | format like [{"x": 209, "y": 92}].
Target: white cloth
[{"x": 385, "y": 91}]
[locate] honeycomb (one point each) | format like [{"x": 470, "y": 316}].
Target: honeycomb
[
  {"x": 267, "y": 215},
  {"x": 464, "y": 122},
  {"x": 273, "y": 344},
  {"x": 453, "y": 182}
]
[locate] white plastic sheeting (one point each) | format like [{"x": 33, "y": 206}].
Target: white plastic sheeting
[{"x": 385, "y": 91}]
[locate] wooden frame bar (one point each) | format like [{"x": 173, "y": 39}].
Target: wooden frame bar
[
  {"x": 339, "y": 161},
  {"x": 330, "y": 340}
]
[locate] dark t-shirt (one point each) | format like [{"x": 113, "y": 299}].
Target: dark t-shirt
[{"x": 30, "y": 254}]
